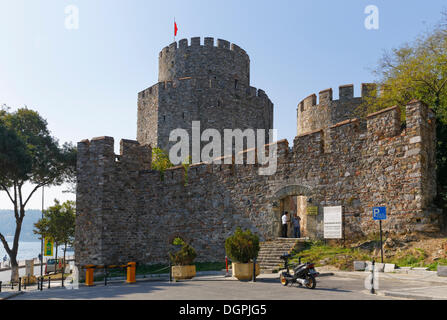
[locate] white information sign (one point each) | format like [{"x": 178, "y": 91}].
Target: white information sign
[{"x": 333, "y": 222}]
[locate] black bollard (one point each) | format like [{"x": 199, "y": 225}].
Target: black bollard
[
  {"x": 49, "y": 282},
  {"x": 254, "y": 270},
  {"x": 41, "y": 283},
  {"x": 170, "y": 271},
  {"x": 1, "y": 286},
  {"x": 20, "y": 284}
]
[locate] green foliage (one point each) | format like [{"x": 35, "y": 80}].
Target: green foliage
[
  {"x": 58, "y": 222},
  {"x": 417, "y": 70},
  {"x": 178, "y": 242},
  {"x": 29, "y": 154},
  {"x": 242, "y": 246},
  {"x": 185, "y": 256},
  {"x": 160, "y": 161},
  {"x": 434, "y": 266},
  {"x": 186, "y": 164},
  {"x": 42, "y": 161},
  {"x": 316, "y": 251}
]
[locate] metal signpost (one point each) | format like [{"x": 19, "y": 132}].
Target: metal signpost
[{"x": 379, "y": 213}]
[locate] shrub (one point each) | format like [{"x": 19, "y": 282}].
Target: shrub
[
  {"x": 185, "y": 256},
  {"x": 242, "y": 246}
]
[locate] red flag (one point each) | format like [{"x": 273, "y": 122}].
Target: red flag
[{"x": 175, "y": 29}]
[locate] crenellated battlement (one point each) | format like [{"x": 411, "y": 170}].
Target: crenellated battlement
[
  {"x": 224, "y": 61},
  {"x": 100, "y": 152},
  {"x": 346, "y": 92},
  {"x": 208, "y": 42},
  {"x": 313, "y": 114}
]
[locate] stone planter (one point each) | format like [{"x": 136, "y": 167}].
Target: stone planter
[
  {"x": 244, "y": 271},
  {"x": 183, "y": 272}
]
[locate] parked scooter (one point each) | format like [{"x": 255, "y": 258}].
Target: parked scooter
[{"x": 304, "y": 274}]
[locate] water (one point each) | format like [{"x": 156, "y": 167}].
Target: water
[{"x": 29, "y": 250}]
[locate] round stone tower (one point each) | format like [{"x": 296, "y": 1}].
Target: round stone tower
[
  {"x": 205, "y": 83},
  {"x": 223, "y": 62}
]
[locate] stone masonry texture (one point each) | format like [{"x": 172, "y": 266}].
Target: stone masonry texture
[
  {"x": 128, "y": 212},
  {"x": 205, "y": 83}
]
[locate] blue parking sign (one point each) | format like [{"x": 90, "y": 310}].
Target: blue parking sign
[{"x": 379, "y": 213}]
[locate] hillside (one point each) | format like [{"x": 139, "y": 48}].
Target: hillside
[{"x": 8, "y": 224}]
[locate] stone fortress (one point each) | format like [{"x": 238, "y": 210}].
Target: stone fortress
[
  {"x": 205, "y": 83},
  {"x": 128, "y": 212}
]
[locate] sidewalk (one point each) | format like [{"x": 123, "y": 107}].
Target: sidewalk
[
  {"x": 10, "y": 294},
  {"x": 427, "y": 285}
]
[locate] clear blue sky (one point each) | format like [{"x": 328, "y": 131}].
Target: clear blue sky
[{"x": 85, "y": 81}]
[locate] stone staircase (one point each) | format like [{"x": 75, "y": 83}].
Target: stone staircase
[{"x": 270, "y": 252}]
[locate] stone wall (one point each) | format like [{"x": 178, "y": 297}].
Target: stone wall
[
  {"x": 201, "y": 83},
  {"x": 127, "y": 212},
  {"x": 313, "y": 116}
]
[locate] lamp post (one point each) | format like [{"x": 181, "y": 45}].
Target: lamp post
[{"x": 41, "y": 240}]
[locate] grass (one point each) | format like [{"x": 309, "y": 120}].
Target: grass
[
  {"x": 340, "y": 257},
  {"x": 343, "y": 258}
]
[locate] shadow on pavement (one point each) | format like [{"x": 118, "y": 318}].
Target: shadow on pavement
[{"x": 98, "y": 291}]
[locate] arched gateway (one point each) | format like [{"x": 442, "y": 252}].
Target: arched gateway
[{"x": 296, "y": 199}]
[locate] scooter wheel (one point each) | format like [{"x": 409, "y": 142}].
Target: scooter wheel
[
  {"x": 284, "y": 281},
  {"x": 311, "y": 282}
]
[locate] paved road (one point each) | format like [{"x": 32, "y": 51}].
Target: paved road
[{"x": 267, "y": 287}]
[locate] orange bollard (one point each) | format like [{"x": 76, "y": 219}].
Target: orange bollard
[
  {"x": 89, "y": 275},
  {"x": 131, "y": 271}
]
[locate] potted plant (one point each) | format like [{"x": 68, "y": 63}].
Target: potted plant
[
  {"x": 182, "y": 260},
  {"x": 242, "y": 247}
]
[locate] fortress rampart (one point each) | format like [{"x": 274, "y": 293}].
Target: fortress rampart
[
  {"x": 313, "y": 116},
  {"x": 127, "y": 212},
  {"x": 205, "y": 83}
]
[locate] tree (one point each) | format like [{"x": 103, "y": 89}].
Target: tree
[
  {"x": 58, "y": 223},
  {"x": 417, "y": 70},
  {"x": 29, "y": 154}
]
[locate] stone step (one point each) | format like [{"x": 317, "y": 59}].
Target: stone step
[
  {"x": 276, "y": 248},
  {"x": 263, "y": 262},
  {"x": 271, "y": 251}
]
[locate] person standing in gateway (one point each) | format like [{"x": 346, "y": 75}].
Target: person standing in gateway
[
  {"x": 285, "y": 220},
  {"x": 296, "y": 226}
]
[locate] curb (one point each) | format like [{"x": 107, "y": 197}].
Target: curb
[
  {"x": 408, "y": 296},
  {"x": 12, "y": 295}
]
